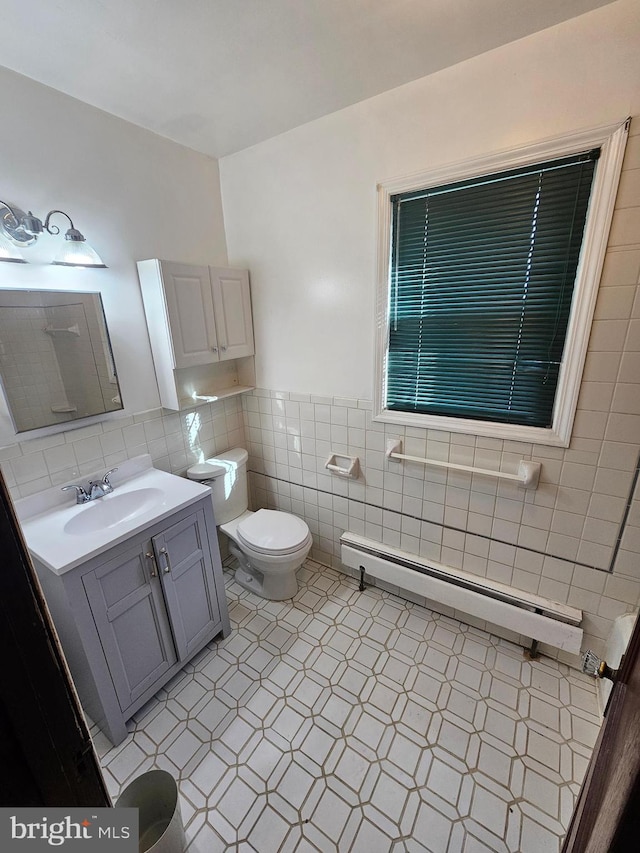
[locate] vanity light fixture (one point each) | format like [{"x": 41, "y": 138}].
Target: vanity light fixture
[
  {"x": 19, "y": 229},
  {"x": 9, "y": 252}
]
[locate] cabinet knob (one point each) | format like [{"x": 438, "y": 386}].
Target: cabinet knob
[
  {"x": 214, "y": 349},
  {"x": 154, "y": 570},
  {"x": 167, "y": 567},
  {"x": 224, "y": 349}
]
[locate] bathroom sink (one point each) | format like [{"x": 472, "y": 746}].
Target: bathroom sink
[
  {"x": 111, "y": 510},
  {"x": 63, "y": 535}
]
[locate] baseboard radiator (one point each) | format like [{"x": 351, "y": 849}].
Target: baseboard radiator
[{"x": 532, "y": 616}]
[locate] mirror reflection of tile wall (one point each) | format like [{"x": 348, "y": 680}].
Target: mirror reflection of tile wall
[{"x": 55, "y": 358}]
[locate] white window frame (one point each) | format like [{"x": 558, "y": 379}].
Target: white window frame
[{"x": 611, "y": 140}]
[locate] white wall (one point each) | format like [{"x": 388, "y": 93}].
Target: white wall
[
  {"x": 300, "y": 209},
  {"x": 133, "y": 195}
]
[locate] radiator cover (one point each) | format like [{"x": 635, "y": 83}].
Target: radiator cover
[{"x": 533, "y": 616}]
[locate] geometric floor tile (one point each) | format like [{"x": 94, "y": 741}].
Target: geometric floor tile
[{"x": 356, "y": 721}]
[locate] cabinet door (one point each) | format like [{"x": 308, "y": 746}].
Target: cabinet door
[
  {"x": 185, "y": 566},
  {"x": 131, "y": 621},
  {"x": 232, "y": 309},
  {"x": 190, "y": 309}
]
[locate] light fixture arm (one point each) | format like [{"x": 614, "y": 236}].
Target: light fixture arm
[{"x": 53, "y": 229}]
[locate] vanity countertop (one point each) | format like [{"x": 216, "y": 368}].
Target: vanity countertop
[{"x": 62, "y": 534}]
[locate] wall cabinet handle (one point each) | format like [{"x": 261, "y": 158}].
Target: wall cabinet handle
[
  {"x": 167, "y": 567},
  {"x": 154, "y": 570}
]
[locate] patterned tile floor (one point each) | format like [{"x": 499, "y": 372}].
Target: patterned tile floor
[{"x": 347, "y": 721}]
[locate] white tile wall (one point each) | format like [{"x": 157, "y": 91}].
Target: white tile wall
[
  {"x": 561, "y": 548},
  {"x": 174, "y": 440}
]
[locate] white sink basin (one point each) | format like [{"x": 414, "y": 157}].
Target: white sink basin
[
  {"x": 111, "y": 510},
  {"x": 63, "y": 535}
]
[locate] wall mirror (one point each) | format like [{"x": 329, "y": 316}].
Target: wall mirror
[{"x": 56, "y": 363}]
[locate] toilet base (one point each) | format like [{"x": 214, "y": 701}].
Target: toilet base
[
  {"x": 248, "y": 580},
  {"x": 275, "y": 587}
]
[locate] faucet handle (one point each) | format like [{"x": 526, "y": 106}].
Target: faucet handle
[
  {"x": 105, "y": 479},
  {"x": 81, "y": 495}
]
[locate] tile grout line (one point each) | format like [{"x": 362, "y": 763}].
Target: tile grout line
[{"x": 484, "y": 536}]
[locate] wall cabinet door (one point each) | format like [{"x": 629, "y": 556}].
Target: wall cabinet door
[
  {"x": 232, "y": 311},
  {"x": 200, "y": 325},
  {"x": 190, "y": 310},
  {"x": 131, "y": 621},
  {"x": 186, "y": 569},
  {"x": 206, "y": 310}
]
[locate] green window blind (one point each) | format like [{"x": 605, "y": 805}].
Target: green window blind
[{"x": 481, "y": 282}]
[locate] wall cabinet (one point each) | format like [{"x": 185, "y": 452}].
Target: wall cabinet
[
  {"x": 132, "y": 617},
  {"x": 198, "y": 318}
]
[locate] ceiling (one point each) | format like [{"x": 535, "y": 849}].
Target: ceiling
[{"x": 221, "y": 75}]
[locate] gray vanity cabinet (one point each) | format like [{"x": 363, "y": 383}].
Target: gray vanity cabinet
[
  {"x": 184, "y": 564},
  {"x": 130, "y": 618},
  {"x": 131, "y": 622}
]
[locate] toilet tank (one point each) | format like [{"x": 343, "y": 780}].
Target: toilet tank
[{"x": 226, "y": 475}]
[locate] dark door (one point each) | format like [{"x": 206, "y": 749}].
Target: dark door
[
  {"x": 606, "y": 817},
  {"x": 46, "y": 754}
]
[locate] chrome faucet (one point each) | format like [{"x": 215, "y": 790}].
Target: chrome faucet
[
  {"x": 96, "y": 490},
  {"x": 81, "y": 496},
  {"x": 99, "y": 490}
]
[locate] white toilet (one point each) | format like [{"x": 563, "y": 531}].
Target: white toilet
[{"x": 270, "y": 545}]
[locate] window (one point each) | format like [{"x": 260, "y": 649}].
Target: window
[
  {"x": 489, "y": 286},
  {"x": 481, "y": 280}
]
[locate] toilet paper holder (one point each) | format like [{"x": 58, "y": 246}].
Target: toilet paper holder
[{"x": 343, "y": 466}]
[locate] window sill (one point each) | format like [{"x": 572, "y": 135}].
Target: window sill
[{"x": 510, "y": 432}]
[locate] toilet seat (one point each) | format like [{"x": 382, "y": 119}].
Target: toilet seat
[{"x": 273, "y": 532}]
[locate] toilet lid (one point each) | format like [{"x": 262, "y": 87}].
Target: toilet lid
[{"x": 273, "y": 531}]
